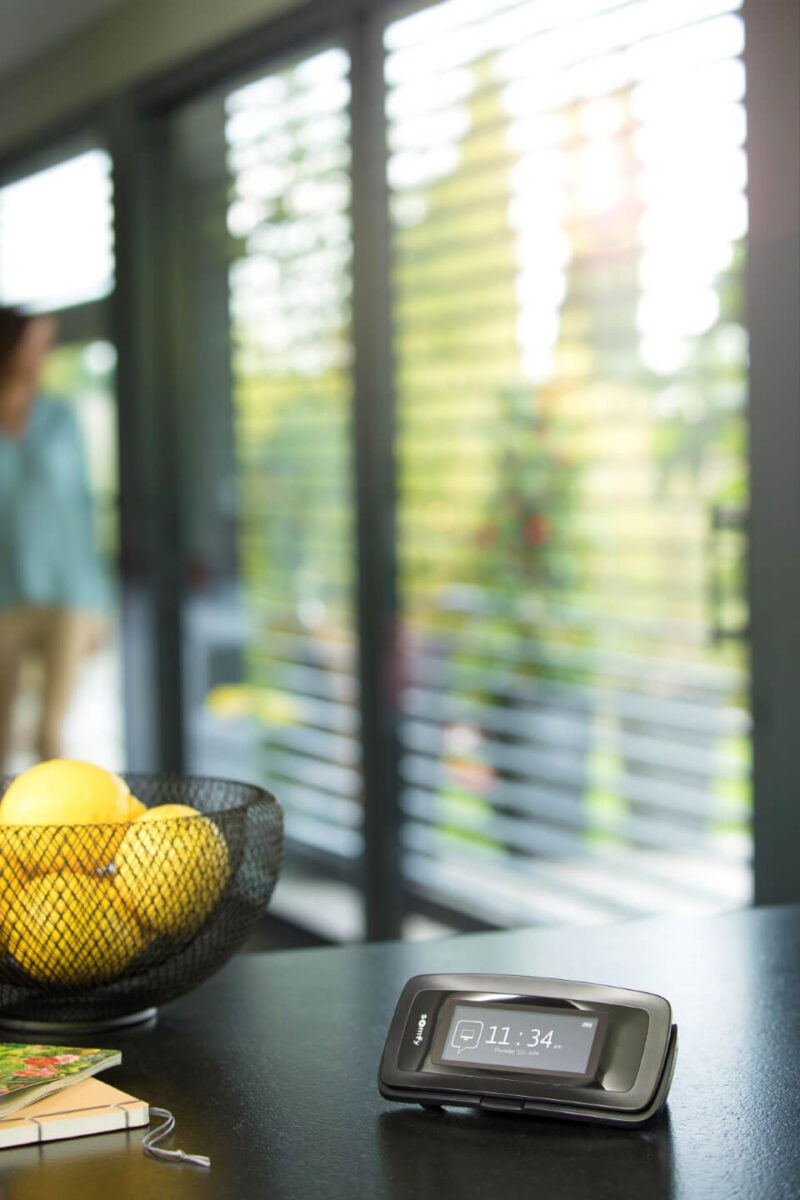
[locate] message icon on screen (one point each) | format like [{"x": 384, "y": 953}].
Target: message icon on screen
[{"x": 466, "y": 1035}]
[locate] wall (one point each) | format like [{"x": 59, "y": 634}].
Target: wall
[{"x": 137, "y": 39}]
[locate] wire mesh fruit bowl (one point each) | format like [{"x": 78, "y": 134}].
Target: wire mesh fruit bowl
[{"x": 100, "y": 923}]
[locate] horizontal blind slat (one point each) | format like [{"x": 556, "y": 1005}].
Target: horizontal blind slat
[{"x": 562, "y": 688}]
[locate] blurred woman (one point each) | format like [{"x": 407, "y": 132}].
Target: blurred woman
[{"x": 52, "y": 591}]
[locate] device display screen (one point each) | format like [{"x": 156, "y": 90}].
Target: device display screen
[{"x": 520, "y": 1039}]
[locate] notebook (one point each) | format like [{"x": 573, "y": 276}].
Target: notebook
[
  {"x": 88, "y": 1107},
  {"x": 29, "y": 1073}
]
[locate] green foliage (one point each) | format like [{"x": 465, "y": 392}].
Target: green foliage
[{"x": 525, "y": 537}]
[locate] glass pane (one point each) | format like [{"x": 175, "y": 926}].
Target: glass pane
[
  {"x": 567, "y": 189},
  {"x": 270, "y": 687},
  {"x": 56, "y": 235},
  {"x": 57, "y": 253},
  {"x": 82, "y": 376}
]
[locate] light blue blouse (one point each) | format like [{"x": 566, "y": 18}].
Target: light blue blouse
[{"x": 47, "y": 548}]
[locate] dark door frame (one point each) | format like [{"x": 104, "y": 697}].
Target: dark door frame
[{"x": 772, "y": 57}]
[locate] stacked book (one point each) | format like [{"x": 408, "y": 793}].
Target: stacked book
[{"x": 49, "y": 1092}]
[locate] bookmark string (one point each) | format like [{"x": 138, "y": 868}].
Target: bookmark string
[{"x": 154, "y": 1136}]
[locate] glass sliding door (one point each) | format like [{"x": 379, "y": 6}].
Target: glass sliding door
[
  {"x": 567, "y": 197},
  {"x": 566, "y": 186},
  {"x": 262, "y": 180},
  {"x": 57, "y": 257}
]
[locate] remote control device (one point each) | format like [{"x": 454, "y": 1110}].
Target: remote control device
[{"x": 520, "y": 1044}]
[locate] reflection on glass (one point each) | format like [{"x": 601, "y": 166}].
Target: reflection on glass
[{"x": 569, "y": 220}]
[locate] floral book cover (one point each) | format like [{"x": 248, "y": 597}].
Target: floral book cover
[{"x": 29, "y": 1073}]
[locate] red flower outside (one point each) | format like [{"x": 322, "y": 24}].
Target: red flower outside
[
  {"x": 536, "y": 530},
  {"x": 36, "y": 1071}
]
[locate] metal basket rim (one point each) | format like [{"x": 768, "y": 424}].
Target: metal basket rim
[{"x": 261, "y": 794}]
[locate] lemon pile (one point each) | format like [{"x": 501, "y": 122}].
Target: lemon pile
[{"x": 89, "y": 876}]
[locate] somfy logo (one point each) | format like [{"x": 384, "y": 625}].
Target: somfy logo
[{"x": 421, "y": 1023}]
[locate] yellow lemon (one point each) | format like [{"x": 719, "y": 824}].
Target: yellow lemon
[
  {"x": 65, "y": 792},
  {"x": 171, "y": 867},
  {"x": 135, "y": 808},
  {"x": 12, "y": 874},
  {"x": 71, "y": 929}
]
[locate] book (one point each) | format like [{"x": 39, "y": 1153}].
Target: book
[
  {"x": 29, "y": 1073},
  {"x": 88, "y": 1107}
]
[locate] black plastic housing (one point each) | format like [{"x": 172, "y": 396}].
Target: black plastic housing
[{"x": 626, "y": 1084}]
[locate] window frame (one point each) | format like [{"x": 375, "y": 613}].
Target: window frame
[{"x": 133, "y": 127}]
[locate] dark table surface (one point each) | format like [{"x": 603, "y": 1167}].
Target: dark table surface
[{"x": 270, "y": 1068}]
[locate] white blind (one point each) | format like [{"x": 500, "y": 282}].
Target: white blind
[
  {"x": 567, "y": 182},
  {"x": 288, "y": 161}
]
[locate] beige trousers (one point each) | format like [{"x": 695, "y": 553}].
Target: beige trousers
[{"x": 60, "y": 638}]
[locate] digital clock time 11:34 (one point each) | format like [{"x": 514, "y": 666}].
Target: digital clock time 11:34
[{"x": 519, "y": 1039}]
